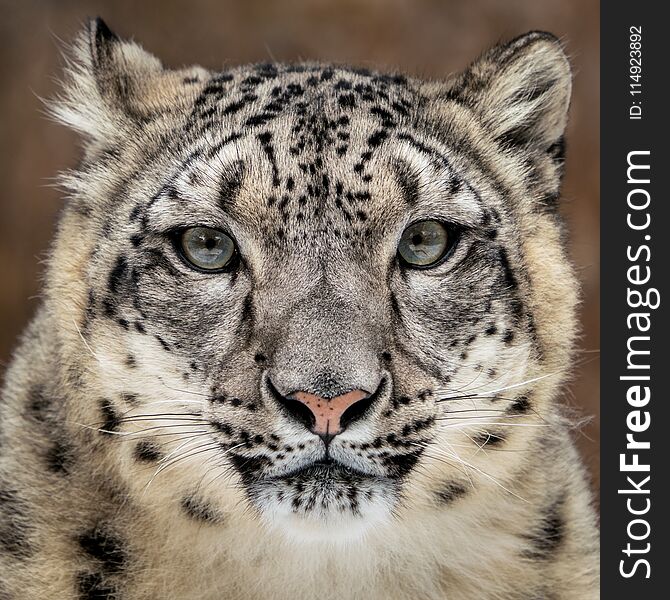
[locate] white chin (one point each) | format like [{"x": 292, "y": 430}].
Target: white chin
[
  {"x": 327, "y": 525},
  {"x": 326, "y": 508}
]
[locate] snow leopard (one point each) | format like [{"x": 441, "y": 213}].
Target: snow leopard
[{"x": 304, "y": 332}]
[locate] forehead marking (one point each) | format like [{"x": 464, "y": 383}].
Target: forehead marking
[
  {"x": 435, "y": 178},
  {"x": 319, "y": 126}
]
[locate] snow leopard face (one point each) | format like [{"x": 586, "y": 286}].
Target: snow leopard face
[{"x": 322, "y": 293}]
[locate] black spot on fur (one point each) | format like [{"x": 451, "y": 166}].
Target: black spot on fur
[
  {"x": 104, "y": 546},
  {"x": 222, "y": 427},
  {"x": 450, "y": 491},
  {"x": 377, "y": 138},
  {"x": 395, "y": 306},
  {"x": 238, "y": 105},
  {"x": 231, "y": 182},
  {"x": 39, "y": 404},
  {"x": 508, "y": 276},
  {"x": 520, "y": 406},
  {"x": 117, "y": 274},
  {"x": 549, "y": 533},
  {"x": 60, "y": 458},
  {"x": 250, "y": 468},
  {"x": 265, "y": 139},
  {"x": 400, "y": 465},
  {"x": 200, "y": 511},
  {"x": 109, "y": 307},
  {"x": 489, "y": 439},
  {"x": 247, "y": 316},
  {"x": 15, "y": 528},
  {"x": 347, "y": 101},
  {"x": 111, "y": 420},
  {"x": 163, "y": 343},
  {"x": 408, "y": 182},
  {"x": 147, "y": 452},
  {"x": 131, "y": 399}
]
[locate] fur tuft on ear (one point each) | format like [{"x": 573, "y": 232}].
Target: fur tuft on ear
[
  {"x": 105, "y": 81},
  {"x": 521, "y": 90}
]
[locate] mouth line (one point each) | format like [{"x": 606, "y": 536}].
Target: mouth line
[{"x": 322, "y": 468}]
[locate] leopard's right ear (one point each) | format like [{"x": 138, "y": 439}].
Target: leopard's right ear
[
  {"x": 520, "y": 90},
  {"x": 106, "y": 83}
]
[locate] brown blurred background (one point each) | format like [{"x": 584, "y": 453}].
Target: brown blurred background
[{"x": 422, "y": 37}]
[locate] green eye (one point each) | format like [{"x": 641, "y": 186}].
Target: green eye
[
  {"x": 207, "y": 249},
  {"x": 424, "y": 244}
]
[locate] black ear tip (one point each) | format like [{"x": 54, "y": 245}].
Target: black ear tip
[
  {"x": 535, "y": 43},
  {"x": 101, "y": 40},
  {"x": 532, "y": 37},
  {"x": 538, "y": 34},
  {"x": 100, "y": 32}
]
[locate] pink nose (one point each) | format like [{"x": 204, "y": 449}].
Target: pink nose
[{"x": 328, "y": 413}]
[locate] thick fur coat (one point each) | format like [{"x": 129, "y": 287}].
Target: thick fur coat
[{"x": 150, "y": 444}]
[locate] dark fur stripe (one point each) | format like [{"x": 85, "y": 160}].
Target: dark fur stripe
[
  {"x": 408, "y": 182},
  {"x": 59, "y": 457},
  {"x": 489, "y": 439},
  {"x": 450, "y": 491},
  {"x": 111, "y": 420},
  {"x": 15, "y": 528},
  {"x": 548, "y": 534},
  {"x": 104, "y": 546},
  {"x": 147, "y": 451},
  {"x": 199, "y": 510},
  {"x": 117, "y": 274},
  {"x": 520, "y": 406},
  {"x": 231, "y": 182}
]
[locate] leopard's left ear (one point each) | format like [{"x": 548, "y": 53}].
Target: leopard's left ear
[
  {"x": 105, "y": 85},
  {"x": 521, "y": 90},
  {"x": 122, "y": 69}
]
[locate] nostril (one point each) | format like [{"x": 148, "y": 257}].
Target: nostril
[
  {"x": 294, "y": 408},
  {"x": 359, "y": 409},
  {"x": 300, "y": 412},
  {"x": 355, "y": 411}
]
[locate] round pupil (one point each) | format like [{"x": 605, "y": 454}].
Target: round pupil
[
  {"x": 424, "y": 243},
  {"x": 207, "y": 248}
]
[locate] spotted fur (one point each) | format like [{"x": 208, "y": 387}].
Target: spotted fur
[{"x": 146, "y": 451}]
